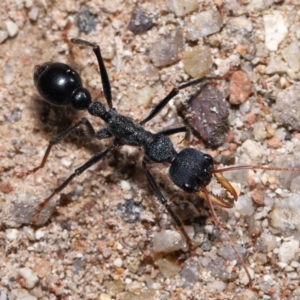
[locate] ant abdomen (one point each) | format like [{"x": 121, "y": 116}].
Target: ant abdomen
[{"x": 60, "y": 85}]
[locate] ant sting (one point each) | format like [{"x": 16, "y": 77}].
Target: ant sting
[{"x": 190, "y": 169}]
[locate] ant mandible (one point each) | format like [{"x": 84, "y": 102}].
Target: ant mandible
[{"x": 190, "y": 169}]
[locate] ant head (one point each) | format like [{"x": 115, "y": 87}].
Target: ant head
[
  {"x": 191, "y": 170},
  {"x": 60, "y": 85}
]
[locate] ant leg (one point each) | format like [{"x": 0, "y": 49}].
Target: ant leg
[
  {"x": 222, "y": 230},
  {"x": 163, "y": 201},
  {"x": 103, "y": 72},
  {"x": 174, "y": 130},
  {"x": 96, "y": 158},
  {"x": 175, "y": 92},
  {"x": 90, "y": 131},
  {"x": 185, "y": 129},
  {"x": 170, "y": 96}
]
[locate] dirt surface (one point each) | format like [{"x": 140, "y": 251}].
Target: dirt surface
[{"x": 98, "y": 242}]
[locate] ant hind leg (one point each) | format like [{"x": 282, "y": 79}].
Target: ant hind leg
[{"x": 96, "y": 158}]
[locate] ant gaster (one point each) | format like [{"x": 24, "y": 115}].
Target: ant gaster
[{"x": 190, "y": 169}]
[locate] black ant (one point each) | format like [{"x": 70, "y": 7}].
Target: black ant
[{"x": 190, "y": 169}]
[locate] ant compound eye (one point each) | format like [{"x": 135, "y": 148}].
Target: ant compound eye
[
  {"x": 208, "y": 158},
  {"x": 187, "y": 188}
]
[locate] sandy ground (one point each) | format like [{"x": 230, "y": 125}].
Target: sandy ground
[{"x": 97, "y": 244}]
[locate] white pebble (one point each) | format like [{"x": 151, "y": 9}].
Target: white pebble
[
  {"x": 40, "y": 233},
  {"x": 28, "y": 231},
  {"x": 11, "y": 234},
  {"x": 288, "y": 250},
  {"x": 118, "y": 262},
  {"x": 275, "y": 29},
  {"x": 217, "y": 286},
  {"x": 12, "y": 28},
  {"x": 244, "y": 279},
  {"x": 66, "y": 162},
  {"x": 34, "y": 13},
  {"x": 182, "y": 7},
  {"x": 295, "y": 264},
  {"x": 167, "y": 241},
  {"x": 128, "y": 280},
  {"x": 125, "y": 185},
  {"x": 104, "y": 297},
  {"x": 269, "y": 279},
  {"x": 244, "y": 205},
  {"x": 30, "y": 277},
  {"x": 292, "y": 56}
]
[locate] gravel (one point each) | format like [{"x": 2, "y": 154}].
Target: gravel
[{"x": 95, "y": 240}]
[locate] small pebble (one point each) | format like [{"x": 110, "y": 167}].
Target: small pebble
[
  {"x": 218, "y": 268},
  {"x": 182, "y": 7},
  {"x": 30, "y": 277},
  {"x": 203, "y": 24},
  {"x": 167, "y": 49},
  {"x": 267, "y": 242},
  {"x": 274, "y": 143},
  {"x": 39, "y": 234},
  {"x": 252, "y": 152},
  {"x": 167, "y": 268},
  {"x": 105, "y": 297},
  {"x": 290, "y": 98},
  {"x": 111, "y": 6},
  {"x": 244, "y": 279},
  {"x": 240, "y": 87},
  {"x": 12, "y": 28},
  {"x": 15, "y": 115},
  {"x": 295, "y": 264},
  {"x": 29, "y": 232},
  {"x": 288, "y": 250},
  {"x": 292, "y": 55},
  {"x": 216, "y": 286},
  {"x": 118, "y": 262},
  {"x": 275, "y": 29},
  {"x": 259, "y": 131},
  {"x": 125, "y": 185},
  {"x": 34, "y": 13},
  {"x": 140, "y": 22},
  {"x": 276, "y": 65},
  {"x": 12, "y": 234},
  {"x": 167, "y": 241},
  {"x": 244, "y": 205},
  {"x": 144, "y": 96},
  {"x": 3, "y": 36},
  {"x": 85, "y": 21},
  {"x": 21, "y": 294},
  {"x": 5, "y": 187},
  {"x": 239, "y": 28},
  {"x": 198, "y": 62},
  {"x": 227, "y": 252},
  {"x": 190, "y": 272}
]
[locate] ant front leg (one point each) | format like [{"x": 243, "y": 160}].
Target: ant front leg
[
  {"x": 103, "y": 72},
  {"x": 163, "y": 201},
  {"x": 185, "y": 129},
  {"x": 90, "y": 131},
  {"x": 175, "y": 91},
  {"x": 96, "y": 158}
]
